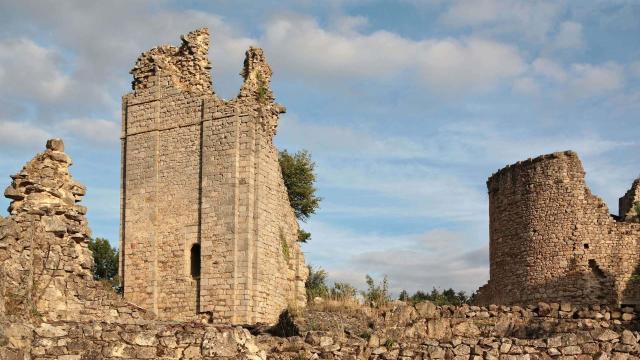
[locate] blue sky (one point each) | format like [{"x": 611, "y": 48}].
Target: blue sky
[{"x": 407, "y": 108}]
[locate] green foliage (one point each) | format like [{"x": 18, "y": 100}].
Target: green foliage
[
  {"x": 636, "y": 207},
  {"x": 342, "y": 291},
  {"x": 376, "y": 295},
  {"x": 105, "y": 263},
  {"x": 105, "y": 259},
  {"x": 446, "y": 297},
  {"x": 285, "y": 246},
  {"x": 285, "y": 250},
  {"x": 316, "y": 284},
  {"x": 404, "y": 296},
  {"x": 299, "y": 178},
  {"x": 303, "y": 236},
  {"x": 263, "y": 90}
]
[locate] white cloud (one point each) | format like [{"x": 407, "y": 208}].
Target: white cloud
[
  {"x": 341, "y": 141},
  {"x": 635, "y": 69},
  {"x": 438, "y": 258},
  {"x": 95, "y": 131},
  {"x": 549, "y": 69},
  {"x": 533, "y": 19},
  {"x": 580, "y": 80},
  {"x": 462, "y": 142},
  {"x": 102, "y": 43},
  {"x": 303, "y": 48},
  {"x": 454, "y": 65},
  {"x": 300, "y": 45},
  {"x": 569, "y": 36},
  {"x": 592, "y": 80},
  {"x": 22, "y": 137},
  {"x": 526, "y": 85},
  {"x": 30, "y": 71}
]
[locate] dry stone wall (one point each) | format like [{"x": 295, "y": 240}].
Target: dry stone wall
[
  {"x": 552, "y": 240},
  {"x": 202, "y": 173},
  {"x": 426, "y": 331}
]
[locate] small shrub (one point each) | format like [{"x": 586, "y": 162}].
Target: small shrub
[
  {"x": 445, "y": 297},
  {"x": 343, "y": 291},
  {"x": 316, "y": 283},
  {"x": 303, "y": 236},
  {"x": 263, "y": 91},
  {"x": 285, "y": 327},
  {"x": 376, "y": 295},
  {"x": 285, "y": 246}
]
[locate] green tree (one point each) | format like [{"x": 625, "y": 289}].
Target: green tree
[
  {"x": 404, "y": 296},
  {"x": 105, "y": 259},
  {"x": 298, "y": 172},
  {"x": 316, "y": 284},
  {"x": 445, "y": 297}
]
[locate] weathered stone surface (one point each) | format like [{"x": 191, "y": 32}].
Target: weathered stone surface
[
  {"x": 45, "y": 263},
  {"x": 553, "y": 241},
  {"x": 426, "y": 309},
  {"x": 202, "y": 185}
]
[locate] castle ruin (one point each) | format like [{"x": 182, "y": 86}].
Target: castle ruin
[
  {"x": 206, "y": 224},
  {"x": 552, "y": 240}
]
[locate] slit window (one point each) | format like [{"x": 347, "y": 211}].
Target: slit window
[{"x": 195, "y": 260}]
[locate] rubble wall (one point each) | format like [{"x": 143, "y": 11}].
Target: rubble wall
[
  {"x": 552, "y": 240},
  {"x": 426, "y": 331},
  {"x": 399, "y": 331},
  {"x": 45, "y": 262}
]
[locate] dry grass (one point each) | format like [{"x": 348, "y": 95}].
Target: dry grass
[{"x": 348, "y": 306}]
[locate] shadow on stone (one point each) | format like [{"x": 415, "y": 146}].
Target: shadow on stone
[{"x": 286, "y": 326}]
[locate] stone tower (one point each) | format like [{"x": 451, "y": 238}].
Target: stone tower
[
  {"x": 206, "y": 225},
  {"x": 552, "y": 240}
]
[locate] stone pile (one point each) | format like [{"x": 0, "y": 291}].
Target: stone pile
[{"x": 45, "y": 262}]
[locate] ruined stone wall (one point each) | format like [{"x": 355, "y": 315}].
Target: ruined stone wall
[
  {"x": 399, "y": 331},
  {"x": 627, "y": 202},
  {"x": 426, "y": 331},
  {"x": 552, "y": 240},
  {"x": 143, "y": 340},
  {"x": 45, "y": 263},
  {"x": 199, "y": 170}
]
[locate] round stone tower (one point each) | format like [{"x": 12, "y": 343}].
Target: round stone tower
[{"x": 551, "y": 239}]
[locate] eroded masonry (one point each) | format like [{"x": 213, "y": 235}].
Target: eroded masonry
[
  {"x": 552, "y": 240},
  {"x": 206, "y": 223}
]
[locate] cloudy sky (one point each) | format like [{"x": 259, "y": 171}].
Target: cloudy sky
[{"x": 407, "y": 107}]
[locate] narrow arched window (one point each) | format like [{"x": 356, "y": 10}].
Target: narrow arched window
[{"x": 195, "y": 260}]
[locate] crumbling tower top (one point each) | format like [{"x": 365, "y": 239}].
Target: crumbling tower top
[{"x": 187, "y": 66}]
